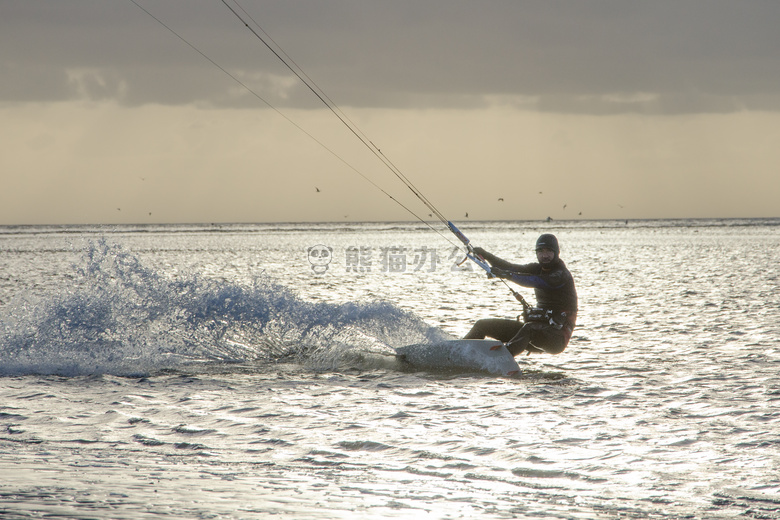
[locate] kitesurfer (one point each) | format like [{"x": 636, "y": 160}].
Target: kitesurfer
[{"x": 547, "y": 327}]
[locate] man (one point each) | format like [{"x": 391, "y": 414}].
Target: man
[{"x": 547, "y": 327}]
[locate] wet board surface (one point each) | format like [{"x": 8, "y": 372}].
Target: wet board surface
[{"x": 470, "y": 354}]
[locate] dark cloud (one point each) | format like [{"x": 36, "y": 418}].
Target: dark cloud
[{"x": 576, "y": 56}]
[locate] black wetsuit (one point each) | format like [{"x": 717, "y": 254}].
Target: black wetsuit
[{"x": 555, "y": 292}]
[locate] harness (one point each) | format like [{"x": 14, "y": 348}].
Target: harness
[{"x": 555, "y": 319}]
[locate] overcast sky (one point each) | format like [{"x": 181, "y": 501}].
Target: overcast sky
[{"x": 569, "y": 109}]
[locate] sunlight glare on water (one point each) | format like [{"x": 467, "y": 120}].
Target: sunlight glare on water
[{"x": 181, "y": 372}]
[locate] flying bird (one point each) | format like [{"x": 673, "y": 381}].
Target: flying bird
[
  {"x": 500, "y": 199},
  {"x": 316, "y": 188}
]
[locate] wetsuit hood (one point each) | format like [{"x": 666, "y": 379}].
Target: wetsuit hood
[{"x": 548, "y": 241}]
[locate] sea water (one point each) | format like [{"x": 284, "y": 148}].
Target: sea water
[{"x": 247, "y": 371}]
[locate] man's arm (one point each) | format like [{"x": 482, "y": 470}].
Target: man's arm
[{"x": 502, "y": 264}]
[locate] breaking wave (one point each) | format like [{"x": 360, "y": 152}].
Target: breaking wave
[{"x": 120, "y": 317}]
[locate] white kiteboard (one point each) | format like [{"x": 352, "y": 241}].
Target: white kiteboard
[{"x": 484, "y": 355}]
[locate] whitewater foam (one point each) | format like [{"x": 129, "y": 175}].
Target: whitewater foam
[{"x": 121, "y": 317}]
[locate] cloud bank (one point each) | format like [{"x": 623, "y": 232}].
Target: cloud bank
[{"x": 589, "y": 57}]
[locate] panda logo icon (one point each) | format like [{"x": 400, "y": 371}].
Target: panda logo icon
[{"x": 320, "y": 257}]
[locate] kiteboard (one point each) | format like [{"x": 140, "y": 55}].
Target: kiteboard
[{"x": 482, "y": 355}]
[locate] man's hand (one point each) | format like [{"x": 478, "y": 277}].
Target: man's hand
[{"x": 480, "y": 252}]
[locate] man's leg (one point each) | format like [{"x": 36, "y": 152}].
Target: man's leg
[
  {"x": 502, "y": 330},
  {"x": 537, "y": 337}
]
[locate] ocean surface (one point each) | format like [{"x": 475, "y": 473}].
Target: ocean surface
[{"x": 248, "y": 371}]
